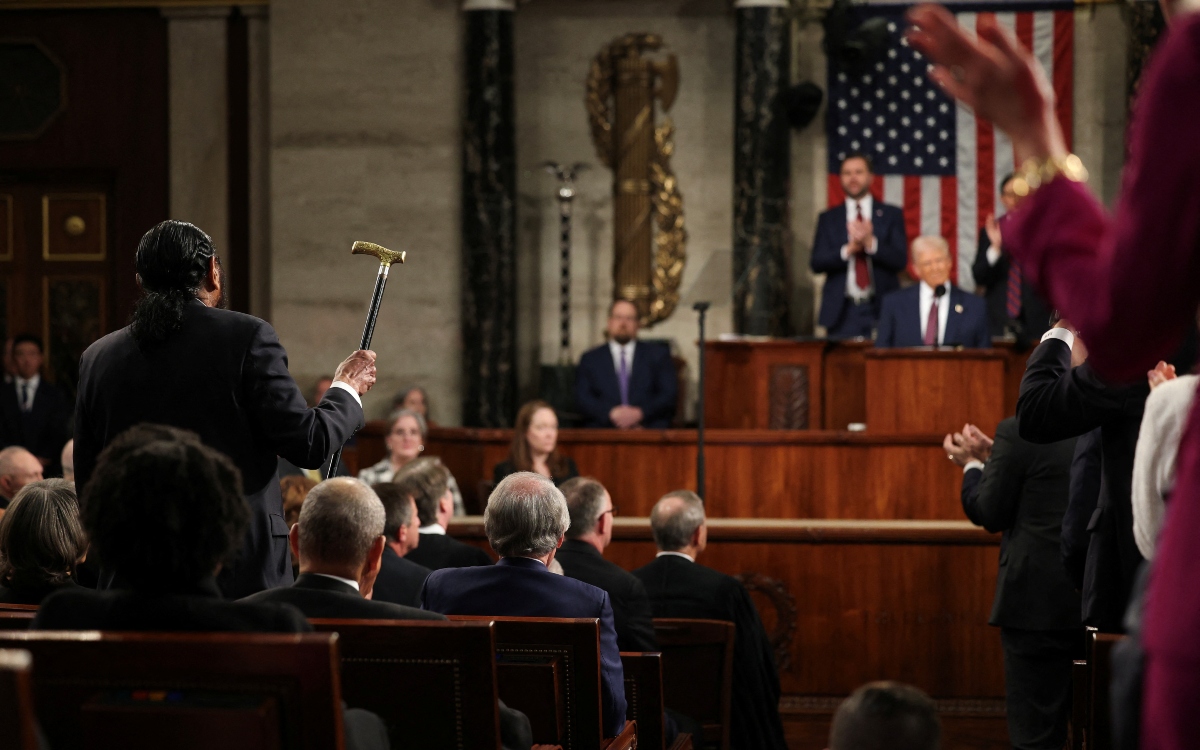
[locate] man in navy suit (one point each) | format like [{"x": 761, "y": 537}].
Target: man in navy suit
[
  {"x": 860, "y": 246},
  {"x": 526, "y": 521},
  {"x": 626, "y": 383},
  {"x": 934, "y": 312},
  {"x": 35, "y": 412}
]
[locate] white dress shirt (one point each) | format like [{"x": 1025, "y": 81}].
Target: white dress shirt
[
  {"x": 866, "y": 203},
  {"x": 347, "y": 581},
  {"x": 32, "y": 385},
  {"x": 616, "y": 349},
  {"x": 1166, "y": 413},
  {"x": 924, "y": 304},
  {"x": 433, "y": 528},
  {"x": 1062, "y": 334},
  {"x": 689, "y": 558},
  {"x": 348, "y": 389}
]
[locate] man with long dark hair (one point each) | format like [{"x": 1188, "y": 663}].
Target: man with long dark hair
[{"x": 187, "y": 362}]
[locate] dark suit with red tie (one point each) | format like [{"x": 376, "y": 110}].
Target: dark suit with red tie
[
  {"x": 653, "y": 386},
  {"x": 890, "y": 258},
  {"x": 900, "y": 320}
]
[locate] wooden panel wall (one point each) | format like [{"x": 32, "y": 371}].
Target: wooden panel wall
[
  {"x": 916, "y": 390},
  {"x": 750, "y": 474},
  {"x": 873, "y": 600}
]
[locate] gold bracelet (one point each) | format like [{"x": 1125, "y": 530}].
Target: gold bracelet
[{"x": 1037, "y": 172}]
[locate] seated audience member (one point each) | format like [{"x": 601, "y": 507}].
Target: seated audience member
[
  {"x": 582, "y": 558},
  {"x": 415, "y": 399},
  {"x": 860, "y": 246},
  {"x": 164, "y": 511},
  {"x": 35, "y": 412},
  {"x": 626, "y": 383},
  {"x": 525, "y": 520},
  {"x": 678, "y": 587},
  {"x": 67, "y": 460},
  {"x": 886, "y": 716},
  {"x": 399, "y": 580},
  {"x": 933, "y": 312},
  {"x": 1021, "y": 489},
  {"x": 1013, "y": 304},
  {"x": 426, "y": 481},
  {"x": 339, "y": 543},
  {"x": 18, "y": 467},
  {"x": 1167, "y": 409},
  {"x": 294, "y": 488},
  {"x": 534, "y": 446},
  {"x": 41, "y": 542},
  {"x": 405, "y": 442}
]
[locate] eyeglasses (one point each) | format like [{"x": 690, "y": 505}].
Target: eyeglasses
[{"x": 612, "y": 510}]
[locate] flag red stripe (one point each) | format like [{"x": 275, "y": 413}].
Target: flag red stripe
[
  {"x": 912, "y": 213},
  {"x": 833, "y": 191},
  {"x": 1064, "y": 70},
  {"x": 985, "y": 161},
  {"x": 877, "y": 188},
  {"x": 950, "y": 221},
  {"x": 1024, "y": 29}
]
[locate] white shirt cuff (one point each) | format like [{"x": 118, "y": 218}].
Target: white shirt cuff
[
  {"x": 873, "y": 246},
  {"x": 972, "y": 464},
  {"x": 993, "y": 255},
  {"x": 348, "y": 389},
  {"x": 1062, "y": 334},
  {"x": 846, "y": 252}
]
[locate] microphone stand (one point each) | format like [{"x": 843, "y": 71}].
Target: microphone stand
[{"x": 701, "y": 308}]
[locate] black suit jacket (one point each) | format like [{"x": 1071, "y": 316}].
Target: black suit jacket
[
  {"x": 198, "y": 608},
  {"x": 437, "y": 551},
  {"x": 1058, "y": 402},
  {"x": 399, "y": 580},
  {"x": 43, "y": 430},
  {"x": 630, "y": 604},
  {"x": 900, "y": 320},
  {"x": 653, "y": 386},
  {"x": 506, "y": 467},
  {"x": 10, "y": 595},
  {"x": 1022, "y": 491},
  {"x": 679, "y": 588},
  {"x": 1086, "y": 474},
  {"x": 323, "y": 597},
  {"x": 1034, "y": 318},
  {"x": 890, "y": 258},
  {"x": 224, "y": 376}
]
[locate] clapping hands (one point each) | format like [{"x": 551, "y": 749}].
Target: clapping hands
[{"x": 971, "y": 444}]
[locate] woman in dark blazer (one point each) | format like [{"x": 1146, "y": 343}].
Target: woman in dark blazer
[
  {"x": 535, "y": 446},
  {"x": 41, "y": 542}
]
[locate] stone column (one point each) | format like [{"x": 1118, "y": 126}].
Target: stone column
[
  {"x": 259, "y": 37},
  {"x": 489, "y": 331},
  {"x": 761, "y": 169},
  {"x": 198, "y": 128}
]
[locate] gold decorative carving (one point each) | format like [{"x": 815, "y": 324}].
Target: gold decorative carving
[
  {"x": 74, "y": 225},
  {"x": 649, "y": 239},
  {"x": 62, "y": 212},
  {"x": 783, "y": 616}
]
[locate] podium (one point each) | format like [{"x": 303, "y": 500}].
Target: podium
[
  {"x": 927, "y": 390},
  {"x": 756, "y": 384}
]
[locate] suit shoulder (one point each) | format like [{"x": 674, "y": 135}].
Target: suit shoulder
[
  {"x": 593, "y": 353},
  {"x": 832, "y": 211},
  {"x": 393, "y": 611},
  {"x": 899, "y": 297}
]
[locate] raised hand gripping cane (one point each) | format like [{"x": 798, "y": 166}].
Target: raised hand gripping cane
[{"x": 386, "y": 259}]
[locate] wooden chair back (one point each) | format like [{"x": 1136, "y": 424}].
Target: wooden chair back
[
  {"x": 15, "y": 619},
  {"x": 18, "y": 607},
  {"x": 18, "y": 725},
  {"x": 432, "y": 683},
  {"x": 693, "y": 652},
  {"x": 549, "y": 669},
  {"x": 1099, "y": 659},
  {"x": 188, "y": 691},
  {"x": 644, "y": 695}
]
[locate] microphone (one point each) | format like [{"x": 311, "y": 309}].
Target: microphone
[
  {"x": 939, "y": 291},
  {"x": 700, "y": 306}
]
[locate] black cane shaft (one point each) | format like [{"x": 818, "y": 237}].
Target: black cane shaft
[{"x": 365, "y": 343}]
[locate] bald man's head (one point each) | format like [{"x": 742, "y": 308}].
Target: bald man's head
[
  {"x": 18, "y": 467},
  {"x": 339, "y": 522},
  {"x": 675, "y": 519}
]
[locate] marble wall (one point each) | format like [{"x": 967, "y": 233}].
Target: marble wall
[{"x": 365, "y": 107}]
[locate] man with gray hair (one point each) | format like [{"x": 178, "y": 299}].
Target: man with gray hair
[
  {"x": 339, "y": 542},
  {"x": 886, "y": 716},
  {"x": 18, "y": 467},
  {"x": 680, "y": 588},
  {"x": 934, "y": 312},
  {"x": 525, "y": 522}
]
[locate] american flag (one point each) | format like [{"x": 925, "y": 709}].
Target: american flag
[{"x": 932, "y": 157}]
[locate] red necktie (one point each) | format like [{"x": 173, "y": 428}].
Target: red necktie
[
  {"x": 931, "y": 325},
  {"x": 1013, "y": 306},
  {"x": 862, "y": 276}
]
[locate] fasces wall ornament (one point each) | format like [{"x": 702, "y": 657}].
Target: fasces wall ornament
[
  {"x": 784, "y": 605},
  {"x": 649, "y": 238}
]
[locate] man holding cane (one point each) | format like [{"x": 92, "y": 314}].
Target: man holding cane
[{"x": 187, "y": 362}]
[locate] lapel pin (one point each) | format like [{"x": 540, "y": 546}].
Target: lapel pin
[{"x": 958, "y": 308}]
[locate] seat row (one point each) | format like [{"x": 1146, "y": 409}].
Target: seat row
[{"x": 434, "y": 684}]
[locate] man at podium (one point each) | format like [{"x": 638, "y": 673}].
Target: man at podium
[{"x": 933, "y": 312}]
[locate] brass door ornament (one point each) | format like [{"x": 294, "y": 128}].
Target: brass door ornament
[{"x": 622, "y": 86}]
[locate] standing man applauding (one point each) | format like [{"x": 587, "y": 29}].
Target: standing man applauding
[
  {"x": 187, "y": 362},
  {"x": 860, "y": 246}
]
